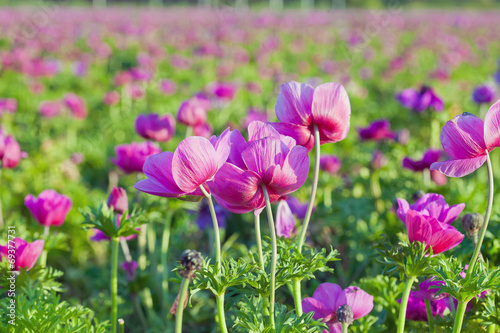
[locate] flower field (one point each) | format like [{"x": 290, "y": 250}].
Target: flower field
[{"x": 197, "y": 169}]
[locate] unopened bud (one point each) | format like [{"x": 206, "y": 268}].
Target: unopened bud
[
  {"x": 472, "y": 223},
  {"x": 345, "y": 315},
  {"x": 192, "y": 262}
]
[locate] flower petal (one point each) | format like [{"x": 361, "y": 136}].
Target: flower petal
[
  {"x": 258, "y": 130},
  {"x": 330, "y": 294},
  {"x": 263, "y": 156},
  {"x": 321, "y": 311},
  {"x": 293, "y": 104},
  {"x": 403, "y": 207},
  {"x": 158, "y": 169},
  {"x": 30, "y": 254},
  {"x": 492, "y": 127},
  {"x": 301, "y": 134},
  {"x": 293, "y": 174},
  {"x": 463, "y": 137},
  {"x": 194, "y": 163},
  {"x": 285, "y": 222},
  {"x": 331, "y": 111},
  {"x": 445, "y": 239},
  {"x": 418, "y": 228},
  {"x": 459, "y": 167},
  {"x": 238, "y": 145},
  {"x": 360, "y": 301},
  {"x": 223, "y": 147}
]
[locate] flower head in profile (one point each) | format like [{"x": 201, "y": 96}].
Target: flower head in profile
[
  {"x": 300, "y": 107},
  {"x": 267, "y": 158},
  {"x": 429, "y": 157},
  {"x": 483, "y": 94},
  {"x": 50, "y": 109},
  {"x": 50, "y": 208},
  {"x": 421, "y": 100},
  {"x": 330, "y": 164},
  {"x": 285, "y": 221},
  {"x": 10, "y": 151},
  {"x": 433, "y": 205},
  {"x": 111, "y": 98},
  {"x": 195, "y": 162},
  {"x": 192, "y": 112},
  {"x": 118, "y": 200},
  {"x": 26, "y": 254},
  {"x": 377, "y": 130},
  {"x": 131, "y": 157},
  {"x": 155, "y": 127},
  {"x": 297, "y": 207},
  {"x": 467, "y": 139},
  {"x": 328, "y": 297},
  {"x": 76, "y": 105}
]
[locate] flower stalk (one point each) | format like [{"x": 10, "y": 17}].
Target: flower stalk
[
  {"x": 274, "y": 255},
  {"x": 259, "y": 241},
  {"x": 114, "y": 282},
  {"x": 404, "y": 303},
  {"x": 180, "y": 305},
  {"x": 430, "y": 318}
]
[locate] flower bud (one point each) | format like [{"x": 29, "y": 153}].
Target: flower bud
[
  {"x": 118, "y": 200},
  {"x": 345, "y": 315},
  {"x": 472, "y": 223},
  {"x": 192, "y": 262}
]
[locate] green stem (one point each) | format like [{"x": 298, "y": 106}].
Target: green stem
[
  {"x": 140, "y": 313},
  {"x": 459, "y": 318},
  {"x": 404, "y": 303},
  {"x": 165, "y": 242},
  {"x": 114, "y": 282},
  {"x": 430, "y": 318},
  {"x": 492, "y": 328},
  {"x": 259, "y": 241},
  {"x": 216, "y": 226},
  {"x": 275, "y": 254},
  {"x": 221, "y": 312},
  {"x": 180, "y": 305},
  {"x": 220, "y": 297},
  {"x": 376, "y": 191},
  {"x": 43, "y": 257},
  {"x": 491, "y": 192},
  {"x": 296, "y": 288},
  {"x": 310, "y": 207},
  {"x": 141, "y": 245},
  {"x": 345, "y": 328}
]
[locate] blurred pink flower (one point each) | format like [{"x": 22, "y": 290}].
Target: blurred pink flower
[
  {"x": 50, "y": 208},
  {"x": 130, "y": 158},
  {"x": 26, "y": 254}
]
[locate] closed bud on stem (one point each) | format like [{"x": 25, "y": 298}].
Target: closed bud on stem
[
  {"x": 345, "y": 315},
  {"x": 192, "y": 262},
  {"x": 472, "y": 223}
]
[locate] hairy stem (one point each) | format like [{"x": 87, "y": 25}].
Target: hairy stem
[
  {"x": 180, "y": 304},
  {"x": 270, "y": 219},
  {"x": 459, "y": 317},
  {"x": 430, "y": 318},
  {"x": 404, "y": 303},
  {"x": 259, "y": 241}
]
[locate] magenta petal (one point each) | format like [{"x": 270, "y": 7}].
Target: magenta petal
[
  {"x": 331, "y": 111},
  {"x": 463, "y": 137},
  {"x": 258, "y": 130},
  {"x": 262, "y": 156},
  {"x": 321, "y": 311},
  {"x": 293, "y": 104},
  {"x": 285, "y": 222},
  {"x": 30, "y": 254},
  {"x": 492, "y": 127},
  {"x": 452, "y": 213},
  {"x": 418, "y": 228},
  {"x": 194, "y": 163},
  {"x": 233, "y": 187},
  {"x": 459, "y": 168},
  {"x": 330, "y": 294},
  {"x": 158, "y": 169},
  {"x": 238, "y": 145},
  {"x": 403, "y": 207},
  {"x": 223, "y": 147},
  {"x": 334, "y": 328},
  {"x": 293, "y": 174},
  {"x": 445, "y": 239},
  {"x": 360, "y": 301},
  {"x": 301, "y": 134}
]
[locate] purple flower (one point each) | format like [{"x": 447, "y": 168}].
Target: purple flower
[
  {"x": 224, "y": 91},
  {"x": 267, "y": 158},
  {"x": 420, "y": 101},
  {"x": 426, "y": 229},
  {"x": 100, "y": 236},
  {"x": 428, "y": 290},
  {"x": 430, "y": 156},
  {"x": 377, "y": 130},
  {"x": 300, "y": 106},
  {"x": 330, "y": 164},
  {"x": 254, "y": 115},
  {"x": 483, "y": 94},
  {"x": 378, "y": 160},
  {"x": 8, "y": 105},
  {"x": 111, "y": 98},
  {"x": 118, "y": 200},
  {"x": 50, "y": 208},
  {"x": 76, "y": 105},
  {"x": 433, "y": 205},
  {"x": 466, "y": 138},
  {"x": 50, "y": 109},
  {"x": 167, "y": 87},
  {"x": 195, "y": 162},
  {"x": 285, "y": 222},
  {"x": 298, "y": 208},
  {"x": 204, "y": 218},
  {"x": 131, "y": 268},
  {"x": 417, "y": 311},
  {"x": 130, "y": 158},
  {"x": 192, "y": 113},
  {"x": 26, "y": 254},
  {"x": 10, "y": 151},
  {"x": 155, "y": 127},
  {"x": 328, "y": 297}
]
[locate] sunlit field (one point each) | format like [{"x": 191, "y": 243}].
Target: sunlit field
[{"x": 203, "y": 169}]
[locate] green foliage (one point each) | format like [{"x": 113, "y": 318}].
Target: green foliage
[
  {"x": 410, "y": 259},
  {"x": 105, "y": 219}
]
